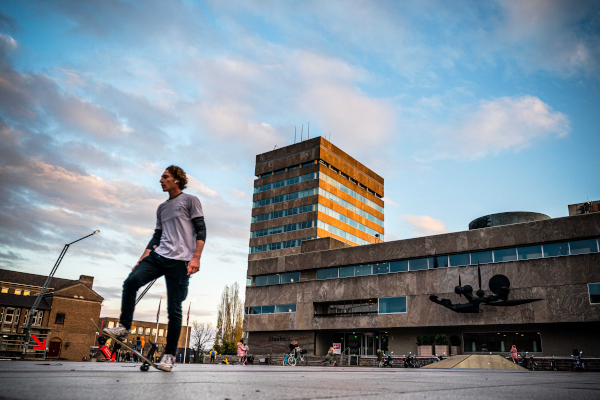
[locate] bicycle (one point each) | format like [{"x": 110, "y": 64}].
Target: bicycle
[{"x": 301, "y": 360}]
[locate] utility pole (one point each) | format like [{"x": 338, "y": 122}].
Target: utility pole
[{"x": 42, "y": 292}]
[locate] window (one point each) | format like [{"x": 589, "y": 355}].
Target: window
[
  {"x": 293, "y": 168},
  {"x": 308, "y": 164},
  {"x": 361, "y": 270},
  {"x": 111, "y": 324},
  {"x": 505, "y": 255},
  {"x": 281, "y": 308},
  {"x": 4, "y": 290},
  {"x": 381, "y": 268},
  {"x": 279, "y": 171},
  {"x": 147, "y": 331},
  {"x": 60, "y": 319},
  {"x": 417, "y": 264},
  {"x": 260, "y": 280},
  {"x": 38, "y": 318},
  {"x": 290, "y": 277},
  {"x": 502, "y": 342},
  {"x": 556, "y": 249},
  {"x": 268, "y": 309},
  {"x": 391, "y": 305},
  {"x": 248, "y": 281},
  {"x": 481, "y": 257},
  {"x": 9, "y": 315},
  {"x": 440, "y": 262},
  {"x": 26, "y": 293},
  {"x": 153, "y": 331},
  {"x": 529, "y": 252},
  {"x": 272, "y": 279},
  {"x": 140, "y": 330},
  {"x": 285, "y": 308},
  {"x": 329, "y": 273},
  {"x": 399, "y": 266},
  {"x": 17, "y": 291},
  {"x": 594, "y": 292},
  {"x": 458, "y": 260},
  {"x": 583, "y": 246},
  {"x": 161, "y": 332},
  {"x": 346, "y": 272}
]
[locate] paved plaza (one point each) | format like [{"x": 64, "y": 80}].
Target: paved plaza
[{"x": 64, "y": 381}]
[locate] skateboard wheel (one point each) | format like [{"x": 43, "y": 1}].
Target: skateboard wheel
[{"x": 144, "y": 367}]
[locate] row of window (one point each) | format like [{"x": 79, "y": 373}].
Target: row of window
[
  {"x": 383, "y": 305},
  {"x": 331, "y": 167},
  {"x": 276, "y": 279},
  {"x": 282, "y": 229},
  {"x": 276, "y": 309},
  {"x": 10, "y": 316},
  {"x": 285, "y": 197},
  {"x": 286, "y": 182},
  {"x": 18, "y": 292},
  {"x": 284, "y": 213},
  {"x": 337, "y": 171},
  {"x": 281, "y": 171},
  {"x": 339, "y": 232},
  {"x": 311, "y": 224},
  {"x": 349, "y": 221},
  {"x": 311, "y": 192},
  {"x": 140, "y": 330},
  {"x": 351, "y": 192},
  {"x": 279, "y": 245},
  {"x": 349, "y": 206},
  {"x": 458, "y": 260}
]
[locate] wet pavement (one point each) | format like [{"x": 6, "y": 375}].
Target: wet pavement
[{"x": 65, "y": 381}]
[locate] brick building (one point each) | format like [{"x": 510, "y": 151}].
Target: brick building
[{"x": 62, "y": 318}]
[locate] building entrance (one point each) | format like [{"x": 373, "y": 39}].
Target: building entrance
[{"x": 365, "y": 343}]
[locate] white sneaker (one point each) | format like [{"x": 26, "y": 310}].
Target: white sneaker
[
  {"x": 167, "y": 362},
  {"x": 120, "y": 332}
]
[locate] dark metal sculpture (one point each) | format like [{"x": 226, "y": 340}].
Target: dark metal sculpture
[{"x": 499, "y": 285}]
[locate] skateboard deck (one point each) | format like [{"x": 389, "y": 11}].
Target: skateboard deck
[{"x": 143, "y": 367}]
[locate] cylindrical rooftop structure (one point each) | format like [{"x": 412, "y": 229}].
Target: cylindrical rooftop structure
[{"x": 506, "y": 218}]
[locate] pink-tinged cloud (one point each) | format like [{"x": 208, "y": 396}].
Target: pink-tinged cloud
[{"x": 424, "y": 225}]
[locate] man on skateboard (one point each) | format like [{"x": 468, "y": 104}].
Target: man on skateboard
[{"x": 174, "y": 252}]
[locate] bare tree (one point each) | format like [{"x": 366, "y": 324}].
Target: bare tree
[
  {"x": 229, "y": 318},
  {"x": 203, "y": 333}
]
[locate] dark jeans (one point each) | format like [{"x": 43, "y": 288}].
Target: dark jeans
[{"x": 150, "y": 268}]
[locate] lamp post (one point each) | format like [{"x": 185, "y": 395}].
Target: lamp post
[{"x": 40, "y": 295}]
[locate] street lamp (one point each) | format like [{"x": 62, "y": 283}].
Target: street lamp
[{"x": 41, "y": 294}]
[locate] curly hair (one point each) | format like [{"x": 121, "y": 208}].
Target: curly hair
[{"x": 179, "y": 175}]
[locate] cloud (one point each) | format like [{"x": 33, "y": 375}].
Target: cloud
[
  {"x": 238, "y": 194},
  {"x": 553, "y": 35},
  {"x": 9, "y": 255},
  {"x": 503, "y": 124},
  {"x": 423, "y": 225}
]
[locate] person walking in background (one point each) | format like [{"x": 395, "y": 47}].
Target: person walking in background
[
  {"x": 213, "y": 355},
  {"x": 241, "y": 351},
  {"x": 513, "y": 354},
  {"x": 138, "y": 348}
]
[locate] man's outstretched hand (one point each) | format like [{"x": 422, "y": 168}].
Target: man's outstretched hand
[{"x": 193, "y": 266}]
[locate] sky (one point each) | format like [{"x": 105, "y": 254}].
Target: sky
[{"x": 465, "y": 108}]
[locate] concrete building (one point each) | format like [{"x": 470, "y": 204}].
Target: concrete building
[
  {"x": 310, "y": 190},
  {"x": 62, "y": 318},
  {"x": 377, "y": 295}
]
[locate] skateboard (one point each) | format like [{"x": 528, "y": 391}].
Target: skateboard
[{"x": 145, "y": 366}]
